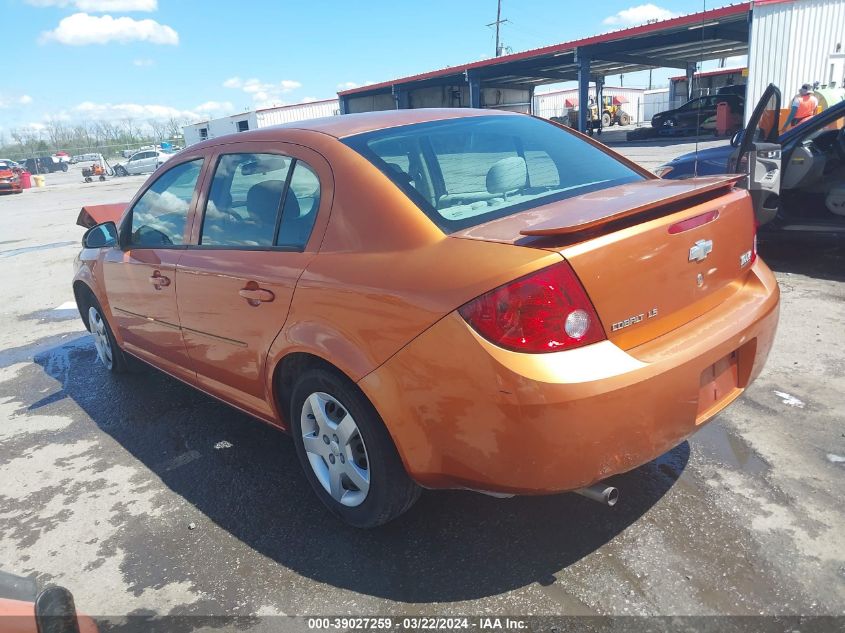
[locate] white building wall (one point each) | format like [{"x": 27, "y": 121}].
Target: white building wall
[
  {"x": 552, "y": 104},
  {"x": 792, "y": 43},
  {"x": 298, "y": 112},
  {"x": 261, "y": 118}
]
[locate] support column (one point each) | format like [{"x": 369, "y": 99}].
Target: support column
[
  {"x": 400, "y": 96},
  {"x": 599, "y": 80},
  {"x": 583, "y": 89},
  {"x": 474, "y": 84},
  {"x": 343, "y": 104},
  {"x": 690, "y": 77}
]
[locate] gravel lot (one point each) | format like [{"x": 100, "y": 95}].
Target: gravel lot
[{"x": 144, "y": 496}]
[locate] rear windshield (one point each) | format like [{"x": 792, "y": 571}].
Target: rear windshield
[{"x": 463, "y": 172}]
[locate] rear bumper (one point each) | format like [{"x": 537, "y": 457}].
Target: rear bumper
[{"x": 467, "y": 414}]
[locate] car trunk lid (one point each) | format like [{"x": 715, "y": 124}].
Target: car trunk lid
[{"x": 651, "y": 255}]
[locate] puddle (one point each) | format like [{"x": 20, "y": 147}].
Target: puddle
[
  {"x": 30, "y": 249},
  {"x": 718, "y": 444}
]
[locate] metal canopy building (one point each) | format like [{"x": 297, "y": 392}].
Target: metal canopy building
[{"x": 509, "y": 81}]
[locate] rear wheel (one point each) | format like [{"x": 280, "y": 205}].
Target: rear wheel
[
  {"x": 605, "y": 119},
  {"x": 624, "y": 119},
  {"x": 347, "y": 454}
]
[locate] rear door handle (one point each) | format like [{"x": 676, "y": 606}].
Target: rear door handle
[
  {"x": 254, "y": 295},
  {"x": 158, "y": 280}
]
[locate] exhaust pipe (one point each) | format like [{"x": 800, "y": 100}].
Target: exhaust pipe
[{"x": 604, "y": 494}]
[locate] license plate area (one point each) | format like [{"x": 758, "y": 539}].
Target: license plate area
[{"x": 718, "y": 385}]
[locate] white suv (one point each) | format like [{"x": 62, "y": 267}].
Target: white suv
[{"x": 145, "y": 162}]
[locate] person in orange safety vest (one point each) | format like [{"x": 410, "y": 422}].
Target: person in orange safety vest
[{"x": 803, "y": 106}]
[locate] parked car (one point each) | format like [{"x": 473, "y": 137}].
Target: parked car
[
  {"x": 696, "y": 111},
  {"x": 145, "y": 162},
  {"x": 84, "y": 158},
  {"x": 45, "y": 165},
  {"x": 448, "y": 298},
  {"x": 10, "y": 180},
  {"x": 812, "y": 176}
]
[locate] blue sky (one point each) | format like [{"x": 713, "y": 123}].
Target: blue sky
[{"x": 86, "y": 59}]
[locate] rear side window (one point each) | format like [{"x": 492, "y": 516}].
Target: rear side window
[
  {"x": 159, "y": 216},
  {"x": 260, "y": 200},
  {"x": 466, "y": 171}
]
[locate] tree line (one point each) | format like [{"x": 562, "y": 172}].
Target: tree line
[{"x": 102, "y": 137}]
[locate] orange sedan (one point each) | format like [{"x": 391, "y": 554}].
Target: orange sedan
[{"x": 436, "y": 298}]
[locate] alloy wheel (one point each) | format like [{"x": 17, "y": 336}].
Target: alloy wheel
[
  {"x": 335, "y": 449},
  {"x": 97, "y": 327}
]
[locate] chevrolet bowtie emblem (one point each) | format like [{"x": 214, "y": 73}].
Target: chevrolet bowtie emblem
[{"x": 700, "y": 250}]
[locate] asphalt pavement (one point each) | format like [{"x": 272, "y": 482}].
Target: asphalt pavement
[{"x": 144, "y": 496}]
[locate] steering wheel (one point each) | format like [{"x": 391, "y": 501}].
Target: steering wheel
[{"x": 840, "y": 144}]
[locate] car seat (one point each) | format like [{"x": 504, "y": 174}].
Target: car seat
[
  {"x": 835, "y": 200},
  {"x": 507, "y": 175}
]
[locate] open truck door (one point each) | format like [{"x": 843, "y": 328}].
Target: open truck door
[{"x": 757, "y": 155}]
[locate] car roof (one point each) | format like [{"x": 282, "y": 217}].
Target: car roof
[{"x": 345, "y": 125}]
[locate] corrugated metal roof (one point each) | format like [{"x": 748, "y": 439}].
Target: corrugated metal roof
[{"x": 679, "y": 23}]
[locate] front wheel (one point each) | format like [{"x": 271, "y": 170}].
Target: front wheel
[
  {"x": 348, "y": 456},
  {"x": 107, "y": 350},
  {"x": 120, "y": 171},
  {"x": 64, "y": 167}
]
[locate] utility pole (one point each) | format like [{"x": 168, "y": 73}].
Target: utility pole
[{"x": 499, "y": 21}]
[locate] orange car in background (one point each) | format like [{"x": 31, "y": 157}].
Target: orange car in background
[
  {"x": 10, "y": 177},
  {"x": 436, "y": 298}
]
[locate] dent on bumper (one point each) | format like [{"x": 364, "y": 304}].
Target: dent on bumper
[{"x": 466, "y": 413}]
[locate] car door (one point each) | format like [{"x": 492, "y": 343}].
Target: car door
[
  {"x": 134, "y": 163},
  {"x": 252, "y": 238},
  {"x": 758, "y": 155},
  {"x": 140, "y": 276}
]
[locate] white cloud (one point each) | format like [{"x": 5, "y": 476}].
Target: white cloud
[
  {"x": 90, "y": 110},
  {"x": 100, "y": 6},
  {"x": 25, "y": 100},
  {"x": 214, "y": 106},
  {"x": 308, "y": 99},
  {"x": 264, "y": 94},
  {"x": 349, "y": 85},
  {"x": 81, "y": 29},
  {"x": 639, "y": 14},
  {"x": 143, "y": 62}
]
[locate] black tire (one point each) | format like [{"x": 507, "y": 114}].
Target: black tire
[
  {"x": 624, "y": 119},
  {"x": 120, "y": 171},
  {"x": 64, "y": 167},
  {"x": 118, "y": 363},
  {"x": 391, "y": 491},
  {"x": 606, "y": 120}
]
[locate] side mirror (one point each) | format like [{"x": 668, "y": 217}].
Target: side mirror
[
  {"x": 100, "y": 236},
  {"x": 736, "y": 139}
]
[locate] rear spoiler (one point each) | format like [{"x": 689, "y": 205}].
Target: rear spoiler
[
  {"x": 95, "y": 214},
  {"x": 585, "y": 212}
]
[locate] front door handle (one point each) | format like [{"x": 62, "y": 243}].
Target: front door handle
[
  {"x": 158, "y": 280},
  {"x": 254, "y": 295}
]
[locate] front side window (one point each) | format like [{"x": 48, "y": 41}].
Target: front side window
[
  {"x": 462, "y": 172},
  {"x": 260, "y": 200},
  {"x": 244, "y": 201},
  {"x": 159, "y": 216}
]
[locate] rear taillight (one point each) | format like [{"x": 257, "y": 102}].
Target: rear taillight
[{"x": 546, "y": 311}]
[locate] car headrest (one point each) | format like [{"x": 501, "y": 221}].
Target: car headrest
[
  {"x": 262, "y": 200},
  {"x": 507, "y": 174},
  {"x": 399, "y": 173}
]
